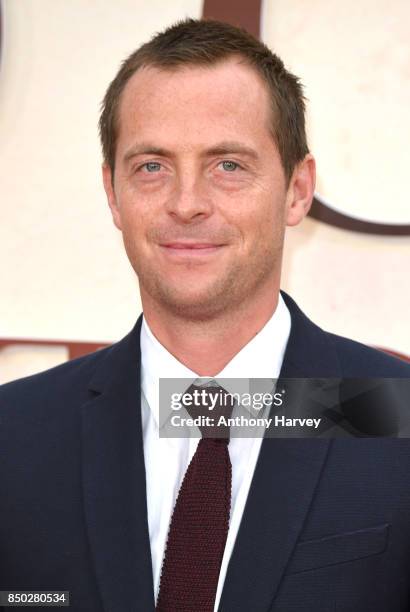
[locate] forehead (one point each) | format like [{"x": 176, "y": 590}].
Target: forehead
[{"x": 190, "y": 101}]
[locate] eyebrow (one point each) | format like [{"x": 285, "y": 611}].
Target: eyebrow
[
  {"x": 227, "y": 147},
  {"x": 145, "y": 149},
  {"x": 221, "y": 148}
]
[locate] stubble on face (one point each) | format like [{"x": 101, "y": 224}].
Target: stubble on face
[{"x": 229, "y": 290}]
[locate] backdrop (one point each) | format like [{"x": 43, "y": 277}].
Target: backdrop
[{"x": 64, "y": 275}]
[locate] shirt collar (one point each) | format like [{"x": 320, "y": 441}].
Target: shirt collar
[{"x": 261, "y": 357}]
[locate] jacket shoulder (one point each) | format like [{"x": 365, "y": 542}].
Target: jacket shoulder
[
  {"x": 357, "y": 359},
  {"x": 56, "y": 384},
  {"x": 314, "y": 352}
]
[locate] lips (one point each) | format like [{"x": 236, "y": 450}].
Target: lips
[
  {"x": 198, "y": 251},
  {"x": 184, "y": 245}
]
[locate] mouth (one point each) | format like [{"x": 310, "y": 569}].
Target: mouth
[{"x": 191, "y": 250}]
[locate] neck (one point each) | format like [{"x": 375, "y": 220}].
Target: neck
[{"x": 206, "y": 347}]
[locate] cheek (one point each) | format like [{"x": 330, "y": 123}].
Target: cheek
[
  {"x": 266, "y": 230},
  {"x": 261, "y": 219},
  {"x": 134, "y": 212}
]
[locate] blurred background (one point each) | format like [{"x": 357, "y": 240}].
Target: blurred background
[{"x": 66, "y": 284}]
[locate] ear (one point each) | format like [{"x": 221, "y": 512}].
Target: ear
[
  {"x": 112, "y": 200},
  {"x": 301, "y": 190}
]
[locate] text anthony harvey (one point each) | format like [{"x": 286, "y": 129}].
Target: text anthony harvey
[{"x": 242, "y": 421}]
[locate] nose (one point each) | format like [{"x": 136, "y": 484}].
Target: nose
[{"x": 191, "y": 200}]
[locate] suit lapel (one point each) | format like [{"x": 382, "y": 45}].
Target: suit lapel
[
  {"x": 114, "y": 480},
  {"x": 283, "y": 486}
]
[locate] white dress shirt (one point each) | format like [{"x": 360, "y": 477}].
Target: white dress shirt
[{"x": 166, "y": 459}]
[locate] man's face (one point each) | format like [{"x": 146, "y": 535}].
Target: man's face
[{"x": 199, "y": 190}]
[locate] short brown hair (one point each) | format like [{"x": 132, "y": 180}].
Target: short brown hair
[{"x": 206, "y": 42}]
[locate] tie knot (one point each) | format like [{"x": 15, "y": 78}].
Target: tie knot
[{"x": 211, "y": 406}]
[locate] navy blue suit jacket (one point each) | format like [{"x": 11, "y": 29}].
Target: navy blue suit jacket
[{"x": 326, "y": 527}]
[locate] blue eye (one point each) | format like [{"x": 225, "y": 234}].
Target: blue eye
[
  {"x": 229, "y": 166},
  {"x": 152, "y": 166}
]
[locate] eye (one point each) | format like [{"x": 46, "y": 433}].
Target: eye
[
  {"x": 151, "y": 166},
  {"x": 230, "y": 166}
]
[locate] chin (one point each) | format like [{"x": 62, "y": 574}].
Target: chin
[
  {"x": 194, "y": 297},
  {"x": 198, "y": 306}
]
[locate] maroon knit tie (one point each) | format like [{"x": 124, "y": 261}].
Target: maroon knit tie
[{"x": 200, "y": 521}]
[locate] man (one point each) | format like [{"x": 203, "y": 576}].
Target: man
[{"x": 205, "y": 164}]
